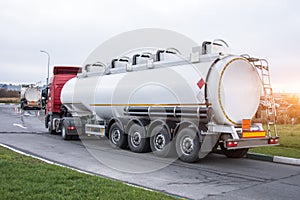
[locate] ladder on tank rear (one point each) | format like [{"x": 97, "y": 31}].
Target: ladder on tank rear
[{"x": 267, "y": 100}]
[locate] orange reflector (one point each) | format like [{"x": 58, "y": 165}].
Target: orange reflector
[
  {"x": 253, "y": 134},
  {"x": 246, "y": 124}
]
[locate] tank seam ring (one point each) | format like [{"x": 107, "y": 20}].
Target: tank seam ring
[{"x": 219, "y": 89}]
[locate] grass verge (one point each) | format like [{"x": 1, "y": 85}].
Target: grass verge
[
  {"x": 22, "y": 177},
  {"x": 289, "y": 143},
  {"x": 9, "y": 100}
]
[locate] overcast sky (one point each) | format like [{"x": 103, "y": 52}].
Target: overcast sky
[{"x": 70, "y": 29}]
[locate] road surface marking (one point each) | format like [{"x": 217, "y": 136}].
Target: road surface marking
[{"x": 20, "y": 125}]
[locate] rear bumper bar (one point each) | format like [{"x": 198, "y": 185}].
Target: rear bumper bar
[{"x": 249, "y": 143}]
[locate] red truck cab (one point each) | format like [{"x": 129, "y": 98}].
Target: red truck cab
[{"x": 61, "y": 74}]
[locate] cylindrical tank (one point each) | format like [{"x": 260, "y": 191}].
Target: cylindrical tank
[
  {"x": 31, "y": 94},
  {"x": 232, "y": 83}
]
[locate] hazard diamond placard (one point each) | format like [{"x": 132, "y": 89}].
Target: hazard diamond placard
[{"x": 201, "y": 83}]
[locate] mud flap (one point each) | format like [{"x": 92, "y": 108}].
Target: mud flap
[{"x": 208, "y": 143}]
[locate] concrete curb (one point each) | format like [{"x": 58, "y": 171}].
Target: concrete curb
[{"x": 276, "y": 159}]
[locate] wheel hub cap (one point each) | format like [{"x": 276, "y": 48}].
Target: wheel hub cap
[
  {"x": 116, "y": 136},
  {"x": 160, "y": 142},
  {"x": 187, "y": 145},
  {"x": 136, "y": 138}
]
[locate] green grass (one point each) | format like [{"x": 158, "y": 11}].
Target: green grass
[
  {"x": 289, "y": 142},
  {"x": 23, "y": 177}
]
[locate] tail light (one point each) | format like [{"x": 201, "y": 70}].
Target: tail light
[
  {"x": 273, "y": 141},
  {"x": 71, "y": 128},
  {"x": 231, "y": 143}
]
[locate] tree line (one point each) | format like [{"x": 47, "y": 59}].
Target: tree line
[{"x": 9, "y": 93}]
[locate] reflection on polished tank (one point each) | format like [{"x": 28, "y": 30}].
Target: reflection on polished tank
[{"x": 161, "y": 100}]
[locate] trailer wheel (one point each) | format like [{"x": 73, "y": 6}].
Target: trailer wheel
[
  {"x": 234, "y": 153},
  {"x": 117, "y": 136},
  {"x": 64, "y": 132},
  {"x": 188, "y": 145},
  {"x": 160, "y": 141},
  {"x": 137, "y": 140}
]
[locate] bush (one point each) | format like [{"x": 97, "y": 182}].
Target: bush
[
  {"x": 9, "y": 93},
  {"x": 294, "y": 112}
]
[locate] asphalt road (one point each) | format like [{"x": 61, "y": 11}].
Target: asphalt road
[{"x": 214, "y": 177}]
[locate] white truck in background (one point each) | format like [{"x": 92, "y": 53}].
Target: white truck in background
[{"x": 30, "y": 97}]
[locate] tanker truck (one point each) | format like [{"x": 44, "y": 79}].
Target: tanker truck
[
  {"x": 51, "y": 95},
  {"x": 164, "y": 102},
  {"x": 30, "y": 97}
]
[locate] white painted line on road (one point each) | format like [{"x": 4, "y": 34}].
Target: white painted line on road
[
  {"x": 291, "y": 161},
  {"x": 19, "y": 125},
  {"x": 29, "y": 114}
]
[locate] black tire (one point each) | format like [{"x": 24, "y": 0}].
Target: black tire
[
  {"x": 46, "y": 121},
  {"x": 160, "y": 141},
  {"x": 50, "y": 125},
  {"x": 234, "y": 153},
  {"x": 137, "y": 140},
  {"x": 117, "y": 136},
  {"x": 188, "y": 145},
  {"x": 75, "y": 137},
  {"x": 64, "y": 132}
]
